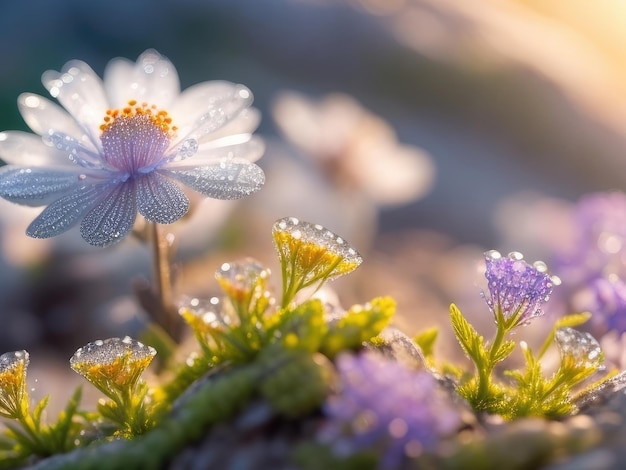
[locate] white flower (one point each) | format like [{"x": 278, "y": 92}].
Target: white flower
[
  {"x": 354, "y": 148},
  {"x": 123, "y": 144}
]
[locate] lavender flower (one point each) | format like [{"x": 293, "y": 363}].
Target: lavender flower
[
  {"x": 600, "y": 237},
  {"x": 606, "y": 298},
  {"x": 517, "y": 290},
  {"x": 123, "y": 144},
  {"x": 386, "y": 407},
  {"x": 594, "y": 268}
]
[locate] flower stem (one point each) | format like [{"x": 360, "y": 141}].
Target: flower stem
[
  {"x": 166, "y": 315},
  {"x": 485, "y": 370}
]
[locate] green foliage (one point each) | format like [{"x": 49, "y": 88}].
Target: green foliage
[
  {"x": 471, "y": 342},
  {"x": 526, "y": 392},
  {"x": 29, "y": 435},
  {"x": 297, "y": 382},
  {"x": 360, "y": 323},
  {"x": 130, "y": 412},
  {"x": 426, "y": 341},
  {"x": 250, "y": 345},
  {"x": 300, "y": 327}
]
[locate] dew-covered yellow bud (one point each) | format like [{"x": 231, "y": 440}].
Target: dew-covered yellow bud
[
  {"x": 207, "y": 319},
  {"x": 13, "y": 397},
  {"x": 113, "y": 365},
  {"x": 245, "y": 284},
  {"x": 310, "y": 254}
]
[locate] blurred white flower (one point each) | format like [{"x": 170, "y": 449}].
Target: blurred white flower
[{"x": 354, "y": 148}]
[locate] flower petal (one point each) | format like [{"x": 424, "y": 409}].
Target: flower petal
[
  {"x": 25, "y": 149},
  {"x": 160, "y": 200},
  {"x": 245, "y": 123},
  {"x": 75, "y": 152},
  {"x": 209, "y": 106},
  {"x": 113, "y": 218},
  {"x": 44, "y": 116},
  {"x": 228, "y": 179},
  {"x": 240, "y": 146},
  {"x": 152, "y": 79},
  {"x": 118, "y": 82},
  {"x": 194, "y": 101},
  {"x": 35, "y": 186},
  {"x": 80, "y": 91},
  {"x": 65, "y": 212}
]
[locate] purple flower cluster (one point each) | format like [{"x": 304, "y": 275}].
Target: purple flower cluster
[
  {"x": 517, "y": 290},
  {"x": 386, "y": 407},
  {"x": 594, "y": 269}
]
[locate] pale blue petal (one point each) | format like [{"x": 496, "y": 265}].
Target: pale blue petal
[
  {"x": 113, "y": 218},
  {"x": 64, "y": 213},
  {"x": 160, "y": 199},
  {"x": 74, "y": 150},
  {"x": 228, "y": 179},
  {"x": 35, "y": 186}
]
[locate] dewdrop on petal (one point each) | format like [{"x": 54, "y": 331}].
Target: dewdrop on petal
[
  {"x": 113, "y": 365},
  {"x": 13, "y": 396}
]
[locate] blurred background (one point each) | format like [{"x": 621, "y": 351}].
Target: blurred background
[{"x": 422, "y": 131}]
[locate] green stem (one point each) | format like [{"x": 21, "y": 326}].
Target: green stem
[
  {"x": 485, "y": 370},
  {"x": 291, "y": 289},
  {"x": 497, "y": 342}
]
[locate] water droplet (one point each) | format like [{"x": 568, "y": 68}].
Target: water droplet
[
  {"x": 580, "y": 345},
  {"x": 187, "y": 149},
  {"x": 107, "y": 351}
]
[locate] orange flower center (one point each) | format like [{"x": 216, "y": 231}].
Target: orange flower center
[{"x": 158, "y": 117}]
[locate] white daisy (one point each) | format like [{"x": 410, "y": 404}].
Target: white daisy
[{"x": 123, "y": 144}]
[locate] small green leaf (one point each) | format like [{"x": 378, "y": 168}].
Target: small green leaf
[
  {"x": 37, "y": 412},
  {"x": 426, "y": 340},
  {"x": 61, "y": 430},
  {"x": 469, "y": 339},
  {"x": 572, "y": 320},
  {"x": 503, "y": 352},
  {"x": 23, "y": 439}
]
